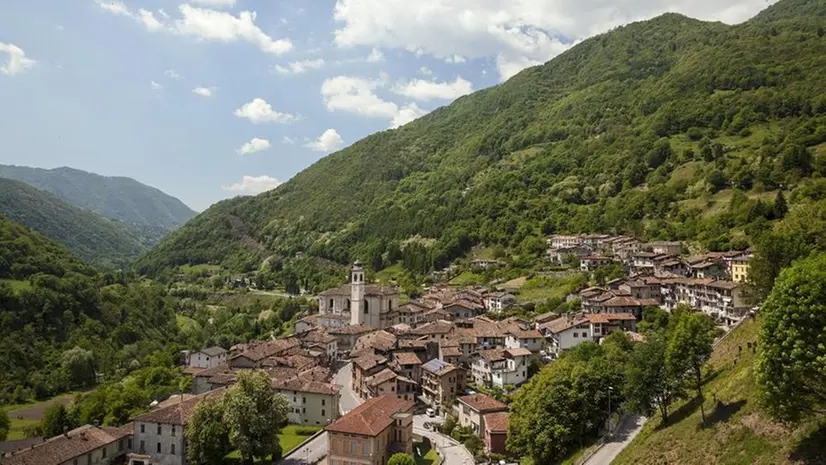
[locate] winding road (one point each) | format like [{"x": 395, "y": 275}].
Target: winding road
[{"x": 626, "y": 431}]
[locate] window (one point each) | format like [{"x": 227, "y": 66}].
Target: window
[
  {"x": 172, "y": 449},
  {"x": 103, "y": 452},
  {"x": 143, "y": 430},
  {"x": 323, "y": 412},
  {"x": 159, "y": 447},
  {"x": 353, "y": 448},
  {"x": 322, "y": 402},
  {"x": 74, "y": 462},
  {"x": 173, "y": 430},
  {"x": 303, "y": 400},
  {"x": 89, "y": 459},
  {"x": 576, "y": 334},
  {"x": 160, "y": 429},
  {"x": 303, "y": 410},
  {"x": 365, "y": 449},
  {"x": 143, "y": 448}
]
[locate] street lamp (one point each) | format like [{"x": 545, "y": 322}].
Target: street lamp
[{"x": 610, "y": 389}]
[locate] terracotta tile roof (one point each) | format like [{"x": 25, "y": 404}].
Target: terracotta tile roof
[
  {"x": 371, "y": 417},
  {"x": 318, "y": 337},
  {"x": 622, "y": 301},
  {"x": 369, "y": 361},
  {"x": 609, "y": 317},
  {"x": 64, "y": 448},
  {"x": 381, "y": 377},
  {"x": 518, "y": 352},
  {"x": 563, "y": 323},
  {"x": 380, "y": 340},
  {"x": 724, "y": 285},
  {"x": 353, "y": 329},
  {"x": 406, "y": 358},
  {"x": 526, "y": 334},
  {"x": 298, "y": 362},
  {"x": 546, "y": 317},
  {"x": 482, "y": 403},
  {"x": 306, "y": 385},
  {"x": 320, "y": 374},
  {"x": 435, "y": 327},
  {"x": 497, "y": 422},
  {"x": 179, "y": 413}
]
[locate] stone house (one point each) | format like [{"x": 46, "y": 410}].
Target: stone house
[{"x": 372, "y": 432}]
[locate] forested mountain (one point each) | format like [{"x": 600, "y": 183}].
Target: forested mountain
[
  {"x": 61, "y": 322},
  {"x": 667, "y": 128},
  {"x": 118, "y": 198},
  {"x": 95, "y": 239}
]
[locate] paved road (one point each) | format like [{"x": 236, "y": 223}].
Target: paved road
[
  {"x": 454, "y": 453},
  {"x": 628, "y": 428},
  {"x": 308, "y": 454},
  {"x": 349, "y": 400}
]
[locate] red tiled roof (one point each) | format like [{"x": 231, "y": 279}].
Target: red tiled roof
[
  {"x": 482, "y": 403},
  {"x": 406, "y": 358},
  {"x": 609, "y": 317},
  {"x": 497, "y": 422},
  {"x": 371, "y": 417},
  {"x": 178, "y": 413},
  {"x": 63, "y": 448}
]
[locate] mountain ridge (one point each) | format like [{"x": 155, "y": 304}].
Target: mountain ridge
[
  {"x": 116, "y": 197},
  {"x": 95, "y": 239},
  {"x": 609, "y": 135}
]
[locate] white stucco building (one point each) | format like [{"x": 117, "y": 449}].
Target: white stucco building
[{"x": 364, "y": 303}]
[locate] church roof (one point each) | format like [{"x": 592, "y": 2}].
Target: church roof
[{"x": 372, "y": 290}]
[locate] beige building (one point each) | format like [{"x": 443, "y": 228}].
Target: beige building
[
  {"x": 310, "y": 402},
  {"x": 80, "y": 446},
  {"x": 364, "y": 303},
  {"x": 473, "y": 408},
  {"x": 372, "y": 432},
  {"x": 740, "y": 268},
  {"x": 441, "y": 383}
]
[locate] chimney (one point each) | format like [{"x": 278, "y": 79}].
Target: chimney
[{"x": 83, "y": 435}]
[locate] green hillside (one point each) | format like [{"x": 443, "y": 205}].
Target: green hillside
[
  {"x": 117, "y": 198},
  {"x": 739, "y": 432},
  {"x": 667, "y": 128},
  {"x": 95, "y": 239}
]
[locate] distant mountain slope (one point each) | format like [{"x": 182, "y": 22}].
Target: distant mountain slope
[
  {"x": 97, "y": 240},
  {"x": 24, "y": 252},
  {"x": 646, "y": 129},
  {"x": 117, "y": 198}
]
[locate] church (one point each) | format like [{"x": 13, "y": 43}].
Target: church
[{"x": 364, "y": 303}]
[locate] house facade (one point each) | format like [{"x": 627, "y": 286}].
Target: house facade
[
  {"x": 500, "y": 367},
  {"x": 81, "y": 446},
  {"x": 370, "y": 433},
  {"x": 473, "y": 408},
  {"x": 441, "y": 383},
  {"x": 208, "y": 358}
]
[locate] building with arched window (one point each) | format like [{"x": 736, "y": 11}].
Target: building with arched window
[{"x": 363, "y": 303}]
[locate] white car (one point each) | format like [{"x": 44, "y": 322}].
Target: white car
[{"x": 430, "y": 412}]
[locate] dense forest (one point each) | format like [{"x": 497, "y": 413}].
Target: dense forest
[
  {"x": 97, "y": 240},
  {"x": 65, "y": 325},
  {"x": 668, "y": 128}
]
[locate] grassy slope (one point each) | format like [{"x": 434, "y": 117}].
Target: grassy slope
[
  {"x": 23, "y": 415},
  {"x": 739, "y": 433}
]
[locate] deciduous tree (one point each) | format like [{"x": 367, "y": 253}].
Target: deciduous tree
[
  {"x": 791, "y": 362},
  {"x": 650, "y": 384},
  {"x": 254, "y": 414},
  {"x": 401, "y": 459},
  {"x": 207, "y": 434},
  {"x": 689, "y": 348},
  {"x": 5, "y": 425}
]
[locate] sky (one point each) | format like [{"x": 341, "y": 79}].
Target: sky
[{"x": 209, "y": 99}]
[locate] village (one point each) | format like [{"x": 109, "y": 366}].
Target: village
[{"x": 378, "y": 374}]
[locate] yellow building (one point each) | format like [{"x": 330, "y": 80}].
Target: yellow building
[
  {"x": 372, "y": 432},
  {"x": 740, "y": 268}
]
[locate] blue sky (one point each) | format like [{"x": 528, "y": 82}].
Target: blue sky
[{"x": 208, "y": 99}]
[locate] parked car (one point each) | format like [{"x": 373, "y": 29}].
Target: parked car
[{"x": 431, "y": 413}]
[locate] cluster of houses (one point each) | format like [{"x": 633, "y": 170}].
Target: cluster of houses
[
  {"x": 659, "y": 275},
  {"x": 438, "y": 350}
]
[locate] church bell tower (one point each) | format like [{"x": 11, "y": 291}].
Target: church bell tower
[{"x": 357, "y": 305}]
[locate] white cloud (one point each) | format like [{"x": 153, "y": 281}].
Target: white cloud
[
  {"x": 149, "y": 20},
  {"x": 171, "y": 73},
  {"x": 456, "y": 59},
  {"x": 259, "y": 111},
  {"x": 508, "y": 66},
  {"x": 356, "y": 95},
  {"x": 375, "y": 56},
  {"x": 205, "y": 24},
  {"x": 215, "y": 3},
  {"x": 419, "y": 89},
  {"x": 204, "y": 91},
  {"x": 116, "y": 7},
  {"x": 219, "y": 26},
  {"x": 155, "y": 86},
  {"x": 298, "y": 67},
  {"x": 17, "y": 63},
  {"x": 327, "y": 142},
  {"x": 255, "y": 145},
  {"x": 520, "y": 32},
  {"x": 426, "y": 71},
  {"x": 287, "y": 140},
  {"x": 253, "y": 185},
  {"x": 407, "y": 114}
]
